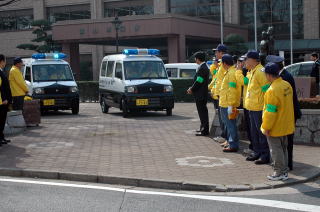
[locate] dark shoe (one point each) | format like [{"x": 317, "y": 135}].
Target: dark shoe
[
  {"x": 252, "y": 158},
  {"x": 228, "y": 149},
  {"x": 198, "y": 131},
  {"x": 3, "y": 142},
  {"x": 261, "y": 162}
]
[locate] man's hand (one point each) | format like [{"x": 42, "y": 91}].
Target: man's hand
[
  {"x": 266, "y": 133},
  {"x": 189, "y": 91},
  {"x": 5, "y": 102}
]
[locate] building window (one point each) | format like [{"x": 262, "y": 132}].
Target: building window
[
  {"x": 208, "y": 9},
  {"x": 126, "y": 8},
  {"x": 72, "y": 12},
  {"x": 273, "y": 13},
  {"x": 16, "y": 20}
]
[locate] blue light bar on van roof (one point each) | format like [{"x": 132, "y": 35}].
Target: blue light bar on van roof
[
  {"x": 56, "y": 56},
  {"x": 209, "y": 62},
  {"x": 141, "y": 52}
]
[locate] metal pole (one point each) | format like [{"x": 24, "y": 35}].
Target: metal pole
[
  {"x": 117, "y": 40},
  {"x": 255, "y": 25},
  {"x": 221, "y": 21},
  {"x": 291, "y": 34}
]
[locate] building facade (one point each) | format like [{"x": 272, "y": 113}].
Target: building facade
[{"x": 177, "y": 27}]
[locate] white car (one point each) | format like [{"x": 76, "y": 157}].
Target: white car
[
  {"x": 302, "y": 69},
  {"x": 181, "y": 70}
]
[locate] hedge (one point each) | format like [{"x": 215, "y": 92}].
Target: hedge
[{"x": 89, "y": 90}]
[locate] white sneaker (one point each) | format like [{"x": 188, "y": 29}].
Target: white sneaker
[
  {"x": 219, "y": 139},
  {"x": 275, "y": 177}
]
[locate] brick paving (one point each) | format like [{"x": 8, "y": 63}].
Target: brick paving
[{"x": 143, "y": 146}]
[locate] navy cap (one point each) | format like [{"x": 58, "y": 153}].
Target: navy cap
[
  {"x": 17, "y": 60},
  {"x": 221, "y": 48},
  {"x": 227, "y": 58},
  {"x": 253, "y": 55},
  {"x": 272, "y": 68},
  {"x": 274, "y": 59}
]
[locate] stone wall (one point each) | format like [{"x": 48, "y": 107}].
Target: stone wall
[{"x": 307, "y": 128}]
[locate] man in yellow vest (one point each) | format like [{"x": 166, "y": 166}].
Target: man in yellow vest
[
  {"x": 242, "y": 79},
  {"x": 278, "y": 120},
  {"x": 18, "y": 86},
  {"x": 217, "y": 71},
  {"x": 258, "y": 85},
  {"x": 229, "y": 100}
]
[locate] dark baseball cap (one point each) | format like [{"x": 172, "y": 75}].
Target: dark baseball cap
[
  {"x": 272, "y": 68},
  {"x": 17, "y": 60},
  {"x": 227, "y": 58},
  {"x": 274, "y": 59},
  {"x": 221, "y": 48},
  {"x": 253, "y": 55}
]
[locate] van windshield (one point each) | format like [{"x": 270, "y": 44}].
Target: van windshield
[
  {"x": 144, "y": 70},
  {"x": 51, "y": 72}
]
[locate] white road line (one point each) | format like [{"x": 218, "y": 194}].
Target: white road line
[{"x": 240, "y": 200}]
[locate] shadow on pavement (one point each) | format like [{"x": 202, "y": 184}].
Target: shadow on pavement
[
  {"x": 11, "y": 155},
  {"x": 149, "y": 115}
]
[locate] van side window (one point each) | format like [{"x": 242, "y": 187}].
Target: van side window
[
  {"x": 28, "y": 74},
  {"x": 110, "y": 68},
  {"x": 103, "y": 69},
  {"x": 118, "y": 73},
  {"x": 172, "y": 72},
  {"x": 187, "y": 73}
]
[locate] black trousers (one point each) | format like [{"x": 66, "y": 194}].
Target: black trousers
[
  {"x": 3, "y": 118},
  {"x": 224, "y": 133},
  {"x": 203, "y": 115},
  {"x": 18, "y": 102},
  {"x": 248, "y": 126},
  {"x": 290, "y": 151}
]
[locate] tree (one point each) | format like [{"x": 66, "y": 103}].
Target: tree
[
  {"x": 42, "y": 29},
  {"x": 236, "y": 44}
]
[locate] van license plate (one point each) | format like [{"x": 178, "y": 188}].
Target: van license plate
[
  {"x": 142, "y": 102},
  {"x": 48, "y": 102}
]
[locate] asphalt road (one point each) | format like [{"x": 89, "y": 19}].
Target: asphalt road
[{"x": 19, "y": 194}]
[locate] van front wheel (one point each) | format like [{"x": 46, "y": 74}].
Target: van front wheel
[
  {"x": 124, "y": 107},
  {"x": 75, "y": 110},
  {"x": 169, "y": 112}
]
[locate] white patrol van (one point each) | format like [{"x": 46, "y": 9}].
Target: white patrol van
[
  {"x": 181, "y": 70},
  {"x": 135, "y": 81},
  {"x": 51, "y": 80}
]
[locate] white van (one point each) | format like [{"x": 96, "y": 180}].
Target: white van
[
  {"x": 181, "y": 70},
  {"x": 51, "y": 80},
  {"x": 135, "y": 81}
]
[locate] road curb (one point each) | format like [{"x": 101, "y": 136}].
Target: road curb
[{"x": 150, "y": 183}]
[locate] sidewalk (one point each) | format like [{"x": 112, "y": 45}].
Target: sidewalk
[{"x": 147, "y": 150}]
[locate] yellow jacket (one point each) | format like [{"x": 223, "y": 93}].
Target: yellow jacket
[
  {"x": 217, "y": 86},
  {"x": 214, "y": 72},
  {"x": 258, "y": 85},
  {"x": 278, "y": 112},
  {"x": 17, "y": 84},
  {"x": 242, "y": 81},
  {"x": 229, "y": 94}
]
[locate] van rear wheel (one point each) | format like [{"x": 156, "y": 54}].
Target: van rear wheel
[
  {"x": 104, "y": 107},
  {"x": 169, "y": 112},
  {"x": 75, "y": 110}
]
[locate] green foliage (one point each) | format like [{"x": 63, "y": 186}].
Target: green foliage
[
  {"x": 236, "y": 44},
  {"x": 43, "y": 37}
]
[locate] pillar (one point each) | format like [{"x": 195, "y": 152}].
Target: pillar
[
  {"x": 97, "y": 9},
  {"x": 72, "y": 50},
  {"x": 39, "y": 10},
  {"x": 97, "y": 56},
  {"x": 232, "y": 11},
  {"x": 311, "y": 19},
  {"x": 177, "y": 49},
  {"x": 160, "y": 6}
]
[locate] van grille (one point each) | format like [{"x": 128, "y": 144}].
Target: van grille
[
  {"x": 56, "y": 90},
  {"x": 145, "y": 89}
]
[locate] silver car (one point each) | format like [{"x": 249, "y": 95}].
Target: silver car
[{"x": 302, "y": 69}]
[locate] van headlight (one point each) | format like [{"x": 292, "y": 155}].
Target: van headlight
[
  {"x": 168, "y": 88},
  {"x": 131, "y": 89},
  {"x": 74, "y": 89},
  {"x": 39, "y": 91}
]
